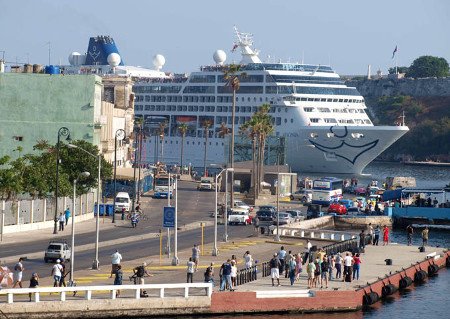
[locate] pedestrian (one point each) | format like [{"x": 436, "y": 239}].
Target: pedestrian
[
  {"x": 57, "y": 273},
  {"x": 331, "y": 265},
  {"x": 139, "y": 273},
  {"x": 317, "y": 272},
  {"x": 225, "y": 273},
  {"x": 195, "y": 256},
  {"x": 287, "y": 259},
  {"x": 190, "y": 270},
  {"x": 248, "y": 259},
  {"x": 410, "y": 232},
  {"x": 62, "y": 281},
  {"x": 299, "y": 266},
  {"x": 348, "y": 261},
  {"x": 34, "y": 282},
  {"x": 62, "y": 221},
  {"x": 362, "y": 239},
  {"x": 356, "y": 266},
  {"x": 256, "y": 225},
  {"x": 116, "y": 258},
  {"x": 18, "y": 273},
  {"x": 376, "y": 236},
  {"x": 209, "y": 274},
  {"x": 370, "y": 232},
  {"x": 292, "y": 267},
  {"x": 67, "y": 215},
  {"x": 338, "y": 266},
  {"x": 118, "y": 278},
  {"x": 233, "y": 273},
  {"x": 307, "y": 251},
  {"x": 385, "y": 235},
  {"x": 324, "y": 275},
  {"x": 275, "y": 265},
  {"x": 281, "y": 255},
  {"x": 425, "y": 236},
  {"x": 310, "y": 269}
]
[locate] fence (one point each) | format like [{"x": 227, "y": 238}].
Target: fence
[
  {"x": 246, "y": 275},
  {"x": 315, "y": 233},
  {"x": 60, "y": 293}
]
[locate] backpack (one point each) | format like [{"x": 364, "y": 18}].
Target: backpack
[{"x": 140, "y": 272}]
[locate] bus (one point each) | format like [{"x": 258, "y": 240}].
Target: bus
[
  {"x": 326, "y": 190},
  {"x": 163, "y": 186}
]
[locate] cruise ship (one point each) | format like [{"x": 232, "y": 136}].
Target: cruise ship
[{"x": 324, "y": 123}]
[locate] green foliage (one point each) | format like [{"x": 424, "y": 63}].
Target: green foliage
[
  {"x": 390, "y": 108},
  {"x": 428, "y": 66},
  {"x": 35, "y": 174},
  {"x": 400, "y": 69}
]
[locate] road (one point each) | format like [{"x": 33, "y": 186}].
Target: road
[{"x": 193, "y": 206}]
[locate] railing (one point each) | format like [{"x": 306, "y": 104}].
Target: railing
[
  {"x": 348, "y": 245},
  {"x": 316, "y": 233},
  {"x": 246, "y": 275},
  {"x": 87, "y": 291}
]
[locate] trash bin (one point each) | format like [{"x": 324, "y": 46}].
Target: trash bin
[
  {"x": 109, "y": 209},
  {"x": 102, "y": 209}
]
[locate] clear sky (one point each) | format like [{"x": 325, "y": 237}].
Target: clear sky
[{"x": 349, "y": 34}]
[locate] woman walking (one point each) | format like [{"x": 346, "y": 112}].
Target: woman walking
[
  {"x": 248, "y": 259},
  {"x": 385, "y": 235},
  {"x": 298, "y": 268},
  {"x": 292, "y": 270},
  {"x": 356, "y": 266}
]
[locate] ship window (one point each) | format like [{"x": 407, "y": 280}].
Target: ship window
[
  {"x": 310, "y": 99},
  {"x": 248, "y": 99},
  {"x": 329, "y": 100},
  {"x": 323, "y": 100},
  {"x": 242, "y": 99},
  {"x": 278, "y": 121},
  {"x": 292, "y": 120},
  {"x": 285, "y": 120},
  {"x": 316, "y": 100},
  {"x": 314, "y": 120},
  {"x": 285, "y": 109},
  {"x": 341, "y": 100},
  {"x": 249, "y": 109},
  {"x": 147, "y": 98},
  {"x": 176, "y": 142},
  {"x": 163, "y": 99},
  {"x": 254, "y": 99},
  {"x": 195, "y": 98},
  {"x": 346, "y": 101},
  {"x": 152, "y": 108},
  {"x": 254, "y": 109},
  {"x": 219, "y": 109},
  {"x": 201, "y": 108},
  {"x": 229, "y": 119},
  {"x": 147, "y": 108},
  {"x": 237, "y": 108},
  {"x": 303, "y": 99},
  {"x": 187, "y": 142},
  {"x": 195, "y": 108},
  {"x": 158, "y": 107},
  {"x": 190, "y": 108},
  {"x": 184, "y": 108},
  {"x": 308, "y": 109},
  {"x": 272, "y": 110},
  {"x": 163, "y": 108},
  {"x": 279, "y": 110}
]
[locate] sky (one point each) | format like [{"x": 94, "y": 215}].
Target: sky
[{"x": 348, "y": 35}]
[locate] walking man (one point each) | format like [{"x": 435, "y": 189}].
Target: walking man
[
  {"x": 18, "y": 273},
  {"x": 425, "y": 236},
  {"x": 62, "y": 221},
  {"x": 57, "y": 273},
  {"x": 195, "y": 256},
  {"x": 410, "y": 232},
  {"x": 377, "y": 232},
  {"x": 275, "y": 266},
  {"x": 225, "y": 272},
  {"x": 190, "y": 270},
  {"x": 370, "y": 232},
  {"x": 256, "y": 225},
  {"x": 281, "y": 255},
  {"x": 67, "y": 215},
  {"x": 115, "y": 262}
]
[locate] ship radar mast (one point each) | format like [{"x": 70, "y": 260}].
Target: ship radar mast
[{"x": 245, "y": 41}]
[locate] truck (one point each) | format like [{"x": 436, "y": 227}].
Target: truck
[{"x": 206, "y": 184}]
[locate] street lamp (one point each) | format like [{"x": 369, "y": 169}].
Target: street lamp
[
  {"x": 119, "y": 134},
  {"x": 63, "y": 131},
  {"x": 175, "y": 246},
  {"x": 95, "y": 263},
  {"x": 277, "y": 237},
  {"x": 215, "y": 251},
  {"x": 72, "y": 253}
]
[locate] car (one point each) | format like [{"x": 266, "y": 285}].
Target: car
[
  {"x": 237, "y": 216},
  {"x": 162, "y": 194},
  {"x": 57, "y": 250},
  {"x": 305, "y": 196},
  {"x": 360, "y": 191},
  {"x": 283, "y": 218},
  {"x": 265, "y": 215},
  {"x": 296, "y": 215},
  {"x": 123, "y": 201},
  {"x": 273, "y": 209},
  {"x": 206, "y": 184},
  {"x": 347, "y": 203},
  {"x": 337, "y": 208},
  {"x": 241, "y": 204},
  {"x": 313, "y": 211},
  {"x": 353, "y": 211}
]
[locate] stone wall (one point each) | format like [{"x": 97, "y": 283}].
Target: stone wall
[{"x": 437, "y": 87}]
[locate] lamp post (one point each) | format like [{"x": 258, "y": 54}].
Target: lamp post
[
  {"x": 215, "y": 251},
  {"x": 175, "y": 244},
  {"x": 63, "y": 131},
  {"x": 95, "y": 263},
  {"x": 277, "y": 237},
  {"x": 72, "y": 252},
  {"x": 119, "y": 134}
]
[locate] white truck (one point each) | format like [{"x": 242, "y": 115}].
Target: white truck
[
  {"x": 239, "y": 216},
  {"x": 206, "y": 184}
]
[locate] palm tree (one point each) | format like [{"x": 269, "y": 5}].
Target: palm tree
[
  {"x": 223, "y": 132},
  {"x": 231, "y": 75},
  {"x": 206, "y": 124},
  {"x": 162, "y": 133},
  {"x": 182, "y": 128},
  {"x": 246, "y": 130}
]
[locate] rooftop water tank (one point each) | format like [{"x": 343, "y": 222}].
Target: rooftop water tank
[{"x": 52, "y": 69}]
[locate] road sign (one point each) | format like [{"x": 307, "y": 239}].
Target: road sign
[{"x": 169, "y": 217}]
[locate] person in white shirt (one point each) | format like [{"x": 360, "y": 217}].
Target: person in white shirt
[
  {"x": 18, "y": 273},
  {"x": 348, "y": 261},
  {"x": 115, "y": 261},
  {"x": 190, "y": 270},
  {"x": 62, "y": 221},
  {"x": 248, "y": 259},
  {"x": 57, "y": 273},
  {"x": 233, "y": 273}
]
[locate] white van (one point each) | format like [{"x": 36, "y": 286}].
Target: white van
[{"x": 123, "y": 201}]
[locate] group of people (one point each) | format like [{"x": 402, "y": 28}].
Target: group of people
[
  {"x": 63, "y": 219},
  {"x": 424, "y": 235}
]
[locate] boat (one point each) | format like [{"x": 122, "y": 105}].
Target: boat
[{"x": 322, "y": 121}]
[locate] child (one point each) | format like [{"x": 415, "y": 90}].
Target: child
[{"x": 34, "y": 282}]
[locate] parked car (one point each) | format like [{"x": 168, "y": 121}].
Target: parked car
[
  {"x": 273, "y": 209},
  {"x": 337, "y": 208},
  {"x": 314, "y": 211},
  {"x": 296, "y": 215},
  {"x": 305, "y": 196},
  {"x": 238, "y": 216},
  {"x": 123, "y": 201},
  {"x": 206, "y": 184},
  {"x": 360, "y": 191},
  {"x": 347, "y": 203},
  {"x": 57, "y": 250},
  {"x": 283, "y": 217},
  {"x": 264, "y": 215}
]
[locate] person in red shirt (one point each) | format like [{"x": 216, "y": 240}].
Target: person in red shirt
[
  {"x": 356, "y": 266},
  {"x": 385, "y": 235}
]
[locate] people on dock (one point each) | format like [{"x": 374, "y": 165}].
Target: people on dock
[
  {"x": 64, "y": 273},
  {"x": 62, "y": 221},
  {"x": 376, "y": 235},
  {"x": 425, "y": 236},
  {"x": 324, "y": 272},
  {"x": 370, "y": 233},
  {"x": 410, "y": 232},
  {"x": 362, "y": 239},
  {"x": 385, "y": 235},
  {"x": 338, "y": 265},
  {"x": 292, "y": 269},
  {"x": 139, "y": 273},
  {"x": 287, "y": 259},
  {"x": 248, "y": 259},
  {"x": 209, "y": 274},
  {"x": 356, "y": 266},
  {"x": 190, "y": 270},
  {"x": 225, "y": 276},
  {"x": 348, "y": 262},
  {"x": 67, "y": 215},
  {"x": 275, "y": 269},
  {"x": 310, "y": 270},
  {"x": 34, "y": 282},
  {"x": 195, "y": 256},
  {"x": 281, "y": 256},
  {"x": 299, "y": 266},
  {"x": 233, "y": 273}
]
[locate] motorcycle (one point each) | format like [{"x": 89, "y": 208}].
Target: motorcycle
[{"x": 134, "y": 221}]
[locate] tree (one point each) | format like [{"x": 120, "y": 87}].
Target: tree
[
  {"x": 206, "y": 124},
  {"x": 182, "y": 128},
  {"x": 428, "y": 66},
  {"x": 399, "y": 69}
]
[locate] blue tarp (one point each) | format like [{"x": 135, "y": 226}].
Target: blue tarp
[{"x": 393, "y": 194}]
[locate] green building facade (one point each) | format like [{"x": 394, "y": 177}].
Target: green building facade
[{"x": 33, "y": 107}]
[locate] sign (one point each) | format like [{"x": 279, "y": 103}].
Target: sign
[{"x": 169, "y": 217}]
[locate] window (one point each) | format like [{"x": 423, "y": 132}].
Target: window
[
  {"x": 314, "y": 120},
  {"x": 308, "y": 109}
]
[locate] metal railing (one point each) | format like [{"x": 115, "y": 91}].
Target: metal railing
[
  {"x": 60, "y": 293},
  {"x": 246, "y": 275}
]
